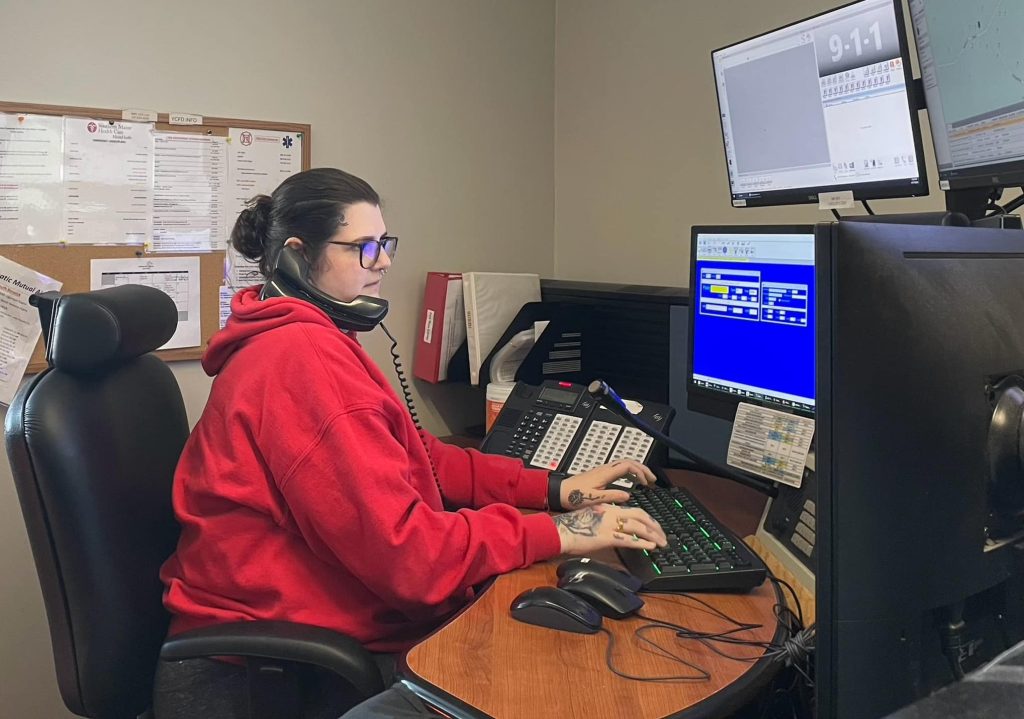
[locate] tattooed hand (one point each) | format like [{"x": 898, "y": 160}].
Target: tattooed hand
[
  {"x": 594, "y": 487},
  {"x": 605, "y": 525}
]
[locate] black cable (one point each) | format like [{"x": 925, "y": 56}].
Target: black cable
[
  {"x": 796, "y": 600},
  {"x": 1015, "y": 203},
  {"x": 702, "y": 674},
  {"x": 599, "y": 390},
  {"x": 407, "y": 396},
  {"x": 867, "y": 207},
  {"x": 711, "y": 608},
  {"x": 993, "y": 208},
  {"x": 786, "y": 618},
  {"x": 835, "y": 213},
  {"x": 793, "y": 650},
  {"x": 723, "y": 637},
  {"x": 797, "y": 648}
]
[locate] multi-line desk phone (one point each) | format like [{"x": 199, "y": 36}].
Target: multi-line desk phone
[{"x": 560, "y": 427}]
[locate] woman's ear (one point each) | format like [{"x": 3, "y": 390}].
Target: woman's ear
[{"x": 297, "y": 245}]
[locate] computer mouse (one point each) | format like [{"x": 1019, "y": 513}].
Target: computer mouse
[
  {"x": 555, "y": 609},
  {"x": 627, "y": 482},
  {"x": 585, "y": 565},
  {"x": 605, "y": 595}
]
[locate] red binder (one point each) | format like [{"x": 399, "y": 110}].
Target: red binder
[{"x": 442, "y": 326}]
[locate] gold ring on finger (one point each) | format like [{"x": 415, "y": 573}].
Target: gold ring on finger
[{"x": 620, "y": 524}]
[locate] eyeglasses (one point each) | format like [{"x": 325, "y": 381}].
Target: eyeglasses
[{"x": 369, "y": 250}]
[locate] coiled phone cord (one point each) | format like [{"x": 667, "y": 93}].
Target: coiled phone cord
[{"x": 407, "y": 396}]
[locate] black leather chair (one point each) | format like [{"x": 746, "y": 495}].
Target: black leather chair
[{"x": 93, "y": 442}]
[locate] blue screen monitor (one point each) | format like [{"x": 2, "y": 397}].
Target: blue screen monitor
[{"x": 752, "y": 319}]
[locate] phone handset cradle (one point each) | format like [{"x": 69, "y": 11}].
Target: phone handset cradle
[{"x": 290, "y": 278}]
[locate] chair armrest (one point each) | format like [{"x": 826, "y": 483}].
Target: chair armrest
[{"x": 286, "y": 641}]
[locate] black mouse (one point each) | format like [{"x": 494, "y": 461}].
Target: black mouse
[
  {"x": 627, "y": 483},
  {"x": 555, "y": 609},
  {"x": 572, "y": 567},
  {"x": 606, "y": 595}
]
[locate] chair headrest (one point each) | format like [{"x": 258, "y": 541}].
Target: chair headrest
[{"x": 103, "y": 328}]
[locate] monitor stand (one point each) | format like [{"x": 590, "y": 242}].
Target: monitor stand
[
  {"x": 974, "y": 202},
  {"x": 977, "y": 205}
]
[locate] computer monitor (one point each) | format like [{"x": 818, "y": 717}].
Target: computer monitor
[
  {"x": 821, "y": 106},
  {"x": 920, "y": 367},
  {"x": 972, "y": 68},
  {"x": 752, "y": 318}
]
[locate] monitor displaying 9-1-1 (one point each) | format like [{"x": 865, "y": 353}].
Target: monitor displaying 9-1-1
[{"x": 819, "y": 106}]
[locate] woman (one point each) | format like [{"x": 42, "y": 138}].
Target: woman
[{"x": 306, "y": 492}]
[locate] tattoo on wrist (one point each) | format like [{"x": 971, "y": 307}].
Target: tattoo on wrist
[
  {"x": 584, "y": 522},
  {"x": 576, "y": 498}
]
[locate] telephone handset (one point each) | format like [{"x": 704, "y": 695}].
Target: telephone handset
[
  {"x": 290, "y": 278},
  {"x": 560, "y": 427}
]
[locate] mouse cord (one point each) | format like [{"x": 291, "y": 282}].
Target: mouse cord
[
  {"x": 793, "y": 622},
  {"x": 709, "y": 608},
  {"x": 407, "y": 396},
  {"x": 794, "y": 649},
  {"x": 700, "y": 675},
  {"x": 708, "y": 639},
  {"x": 724, "y": 637},
  {"x": 784, "y": 616}
]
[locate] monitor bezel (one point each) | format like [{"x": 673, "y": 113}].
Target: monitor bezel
[
  {"x": 997, "y": 176},
  {"x": 712, "y": 402},
  {"x": 880, "y": 190}
]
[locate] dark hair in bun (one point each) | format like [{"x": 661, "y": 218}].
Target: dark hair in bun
[
  {"x": 251, "y": 227},
  {"x": 309, "y": 205}
]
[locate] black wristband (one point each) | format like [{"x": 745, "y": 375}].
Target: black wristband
[{"x": 555, "y": 491}]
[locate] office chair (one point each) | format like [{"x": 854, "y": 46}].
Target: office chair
[{"x": 93, "y": 441}]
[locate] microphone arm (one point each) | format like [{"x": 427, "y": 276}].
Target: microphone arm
[{"x": 604, "y": 394}]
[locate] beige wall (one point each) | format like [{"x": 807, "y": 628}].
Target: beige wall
[
  {"x": 445, "y": 106},
  {"x": 638, "y": 146}
]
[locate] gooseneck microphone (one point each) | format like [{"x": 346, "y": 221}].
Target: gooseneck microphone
[{"x": 604, "y": 394}]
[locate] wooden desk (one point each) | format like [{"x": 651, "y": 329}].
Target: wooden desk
[{"x": 484, "y": 663}]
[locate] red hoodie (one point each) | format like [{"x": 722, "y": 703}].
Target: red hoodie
[{"x": 305, "y": 493}]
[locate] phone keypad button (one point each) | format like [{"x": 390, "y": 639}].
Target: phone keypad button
[
  {"x": 554, "y": 442},
  {"x": 528, "y": 435},
  {"x": 595, "y": 446},
  {"x": 633, "y": 444}
]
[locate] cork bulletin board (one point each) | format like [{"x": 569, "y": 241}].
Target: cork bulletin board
[{"x": 70, "y": 263}]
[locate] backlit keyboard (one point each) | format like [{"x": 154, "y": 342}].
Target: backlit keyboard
[{"x": 701, "y": 554}]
